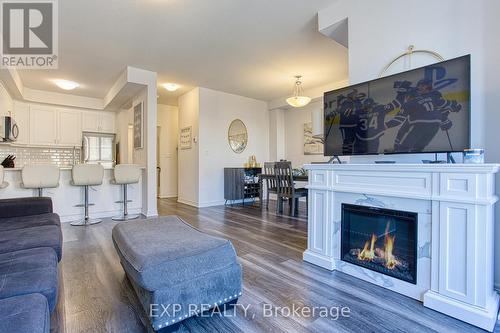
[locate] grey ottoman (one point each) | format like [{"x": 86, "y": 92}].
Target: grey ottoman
[{"x": 176, "y": 270}]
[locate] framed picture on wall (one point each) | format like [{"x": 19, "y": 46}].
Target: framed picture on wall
[
  {"x": 312, "y": 145},
  {"x": 185, "y": 138},
  {"x": 138, "y": 126}
]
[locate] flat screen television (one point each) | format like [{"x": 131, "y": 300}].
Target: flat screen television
[{"x": 424, "y": 110}]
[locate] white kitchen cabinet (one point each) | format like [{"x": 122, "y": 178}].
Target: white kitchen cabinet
[
  {"x": 51, "y": 126},
  {"x": 102, "y": 122},
  {"x": 69, "y": 127},
  {"x": 90, "y": 121},
  {"x": 22, "y": 117},
  {"x": 43, "y": 125}
]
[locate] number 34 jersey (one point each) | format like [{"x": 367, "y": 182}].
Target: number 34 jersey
[{"x": 371, "y": 124}]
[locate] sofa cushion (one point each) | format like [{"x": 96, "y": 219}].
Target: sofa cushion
[
  {"x": 29, "y": 238},
  {"x": 25, "y": 206},
  {"x": 29, "y": 271},
  {"x": 25, "y": 313},
  {"x": 161, "y": 252},
  {"x": 22, "y": 222}
]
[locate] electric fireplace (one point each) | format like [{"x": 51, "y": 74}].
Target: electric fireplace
[{"x": 382, "y": 240}]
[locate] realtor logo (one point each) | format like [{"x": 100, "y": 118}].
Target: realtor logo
[{"x": 29, "y": 34}]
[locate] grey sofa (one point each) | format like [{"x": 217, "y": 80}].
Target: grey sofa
[
  {"x": 171, "y": 264},
  {"x": 30, "y": 249}
]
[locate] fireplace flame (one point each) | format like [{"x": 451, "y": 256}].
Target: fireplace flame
[
  {"x": 390, "y": 261},
  {"x": 368, "y": 253}
]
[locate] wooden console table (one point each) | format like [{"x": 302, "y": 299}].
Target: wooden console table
[{"x": 241, "y": 184}]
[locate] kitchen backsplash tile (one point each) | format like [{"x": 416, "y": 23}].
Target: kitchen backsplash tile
[{"x": 62, "y": 157}]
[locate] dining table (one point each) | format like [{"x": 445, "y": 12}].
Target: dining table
[{"x": 263, "y": 176}]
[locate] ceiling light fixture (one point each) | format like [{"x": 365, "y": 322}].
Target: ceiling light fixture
[
  {"x": 298, "y": 99},
  {"x": 66, "y": 85},
  {"x": 171, "y": 86}
]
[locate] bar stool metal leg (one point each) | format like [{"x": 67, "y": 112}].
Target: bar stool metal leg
[
  {"x": 125, "y": 216},
  {"x": 86, "y": 220}
]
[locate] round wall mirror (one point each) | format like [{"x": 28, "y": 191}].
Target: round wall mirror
[{"x": 237, "y": 136}]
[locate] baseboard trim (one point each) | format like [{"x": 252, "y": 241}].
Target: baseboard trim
[
  {"x": 168, "y": 196},
  {"x": 319, "y": 260},
  {"x": 211, "y": 203},
  {"x": 187, "y": 202}
]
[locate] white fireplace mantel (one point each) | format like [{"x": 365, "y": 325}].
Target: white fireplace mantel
[{"x": 454, "y": 203}]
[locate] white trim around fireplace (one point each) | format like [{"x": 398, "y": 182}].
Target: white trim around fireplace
[{"x": 454, "y": 203}]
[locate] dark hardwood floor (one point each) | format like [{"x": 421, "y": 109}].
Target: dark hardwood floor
[{"x": 96, "y": 296}]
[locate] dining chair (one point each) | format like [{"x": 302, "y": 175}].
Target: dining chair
[
  {"x": 286, "y": 187},
  {"x": 271, "y": 186}
]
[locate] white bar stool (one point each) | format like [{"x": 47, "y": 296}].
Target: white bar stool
[
  {"x": 126, "y": 174},
  {"x": 40, "y": 176},
  {"x": 87, "y": 175},
  {"x": 3, "y": 184}
]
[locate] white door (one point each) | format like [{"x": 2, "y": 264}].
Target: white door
[
  {"x": 22, "y": 118},
  {"x": 70, "y": 128},
  {"x": 107, "y": 122},
  {"x": 43, "y": 125},
  {"x": 90, "y": 121}
]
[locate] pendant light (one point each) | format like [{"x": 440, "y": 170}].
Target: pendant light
[{"x": 298, "y": 99}]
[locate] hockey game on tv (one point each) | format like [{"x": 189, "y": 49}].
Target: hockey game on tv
[{"x": 425, "y": 110}]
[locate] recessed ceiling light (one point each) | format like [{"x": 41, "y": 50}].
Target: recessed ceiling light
[
  {"x": 171, "y": 86},
  {"x": 66, "y": 85}
]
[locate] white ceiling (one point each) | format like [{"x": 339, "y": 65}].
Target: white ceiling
[{"x": 251, "y": 48}]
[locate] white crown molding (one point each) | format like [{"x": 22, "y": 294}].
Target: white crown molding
[
  {"x": 49, "y": 97},
  {"x": 121, "y": 92}
]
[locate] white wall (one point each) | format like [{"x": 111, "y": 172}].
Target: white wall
[
  {"x": 188, "y": 160},
  {"x": 168, "y": 123},
  {"x": 445, "y": 27},
  {"x": 123, "y": 119},
  {"x": 210, "y": 112},
  {"x": 217, "y": 111},
  {"x": 140, "y": 154},
  {"x": 276, "y": 134},
  {"x": 294, "y": 134},
  {"x": 380, "y": 30},
  {"x": 490, "y": 87},
  {"x": 6, "y": 103}
]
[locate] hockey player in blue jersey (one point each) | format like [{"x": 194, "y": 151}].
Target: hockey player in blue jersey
[
  {"x": 423, "y": 113},
  {"x": 402, "y": 88},
  {"x": 348, "y": 112},
  {"x": 370, "y": 127},
  {"x": 425, "y": 90}
]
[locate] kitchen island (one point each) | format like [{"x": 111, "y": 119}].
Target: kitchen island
[{"x": 66, "y": 197}]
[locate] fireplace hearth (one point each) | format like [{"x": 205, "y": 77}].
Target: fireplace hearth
[
  {"x": 454, "y": 249},
  {"x": 381, "y": 240}
]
